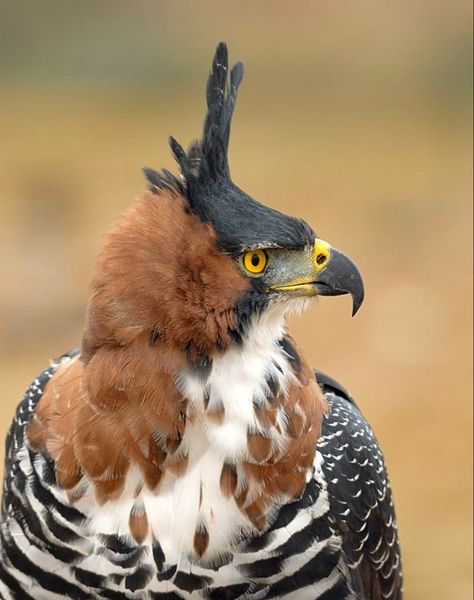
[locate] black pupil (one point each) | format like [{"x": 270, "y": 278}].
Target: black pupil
[{"x": 255, "y": 260}]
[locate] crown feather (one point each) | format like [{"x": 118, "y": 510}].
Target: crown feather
[
  {"x": 180, "y": 156},
  {"x": 239, "y": 221},
  {"x": 163, "y": 180}
]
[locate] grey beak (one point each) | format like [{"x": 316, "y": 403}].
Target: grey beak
[{"x": 341, "y": 276}]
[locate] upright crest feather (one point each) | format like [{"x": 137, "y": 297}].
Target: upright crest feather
[
  {"x": 221, "y": 98},
  {"x": 239, "y": 221},
  {"x": 206, "y": 159}
]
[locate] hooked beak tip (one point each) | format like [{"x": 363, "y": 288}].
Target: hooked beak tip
[
  {"x": 356, "y": 303},
  {"x": 341, "y": 276}
]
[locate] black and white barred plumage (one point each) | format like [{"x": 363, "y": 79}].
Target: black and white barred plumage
[{"x": 338, "y": 541}]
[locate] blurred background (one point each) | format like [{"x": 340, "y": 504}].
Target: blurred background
[{"x": 353, "y": 115}]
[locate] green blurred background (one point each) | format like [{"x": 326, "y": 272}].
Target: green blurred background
[{"x": 353, "y": 115}]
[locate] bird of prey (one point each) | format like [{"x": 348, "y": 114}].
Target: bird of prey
[{"x": 188, "y": 449}]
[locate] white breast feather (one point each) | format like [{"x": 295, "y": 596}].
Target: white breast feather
[{"x": 236, "y": 381}]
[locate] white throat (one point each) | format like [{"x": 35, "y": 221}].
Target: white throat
[{"x": 236, "y": 383}]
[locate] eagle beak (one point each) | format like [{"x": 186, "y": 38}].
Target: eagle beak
[
  {"x": 320, "y": 271},
  {"x": 336, "y": 274}
]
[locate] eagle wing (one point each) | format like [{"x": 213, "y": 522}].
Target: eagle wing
[
  {"x": 361, "y": 505},
  {"x": 16, "y": 434}
]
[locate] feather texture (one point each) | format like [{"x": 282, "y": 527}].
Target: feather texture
[{"x": 187, "y": 450}]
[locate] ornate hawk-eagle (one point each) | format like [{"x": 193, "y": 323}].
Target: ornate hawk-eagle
[{"x": 188, "y": 449}]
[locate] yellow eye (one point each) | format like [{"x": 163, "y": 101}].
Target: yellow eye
[{"x": 255, "y": 261}]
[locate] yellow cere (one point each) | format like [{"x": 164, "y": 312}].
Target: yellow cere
[
  {"x": 255, "y": 261},
  {"x": 321, "y": 253},
  {"x": 319, "y": 256}
]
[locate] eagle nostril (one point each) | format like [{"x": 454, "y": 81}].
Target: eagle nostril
[{"x": 321, "y": 259}]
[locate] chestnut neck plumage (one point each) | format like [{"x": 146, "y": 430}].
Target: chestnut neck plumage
[{"x": 164, "y": 414}]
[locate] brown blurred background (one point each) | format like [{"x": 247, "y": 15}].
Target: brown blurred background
[{"x": 353, "y": 115}]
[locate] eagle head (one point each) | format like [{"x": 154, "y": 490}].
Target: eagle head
[{"x": 196, "y": 260}]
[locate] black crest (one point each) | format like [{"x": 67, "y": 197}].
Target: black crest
[{"x": 240, "y": 221}]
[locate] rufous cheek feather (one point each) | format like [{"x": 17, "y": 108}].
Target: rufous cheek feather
[{"x": 161, "y": 272}]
